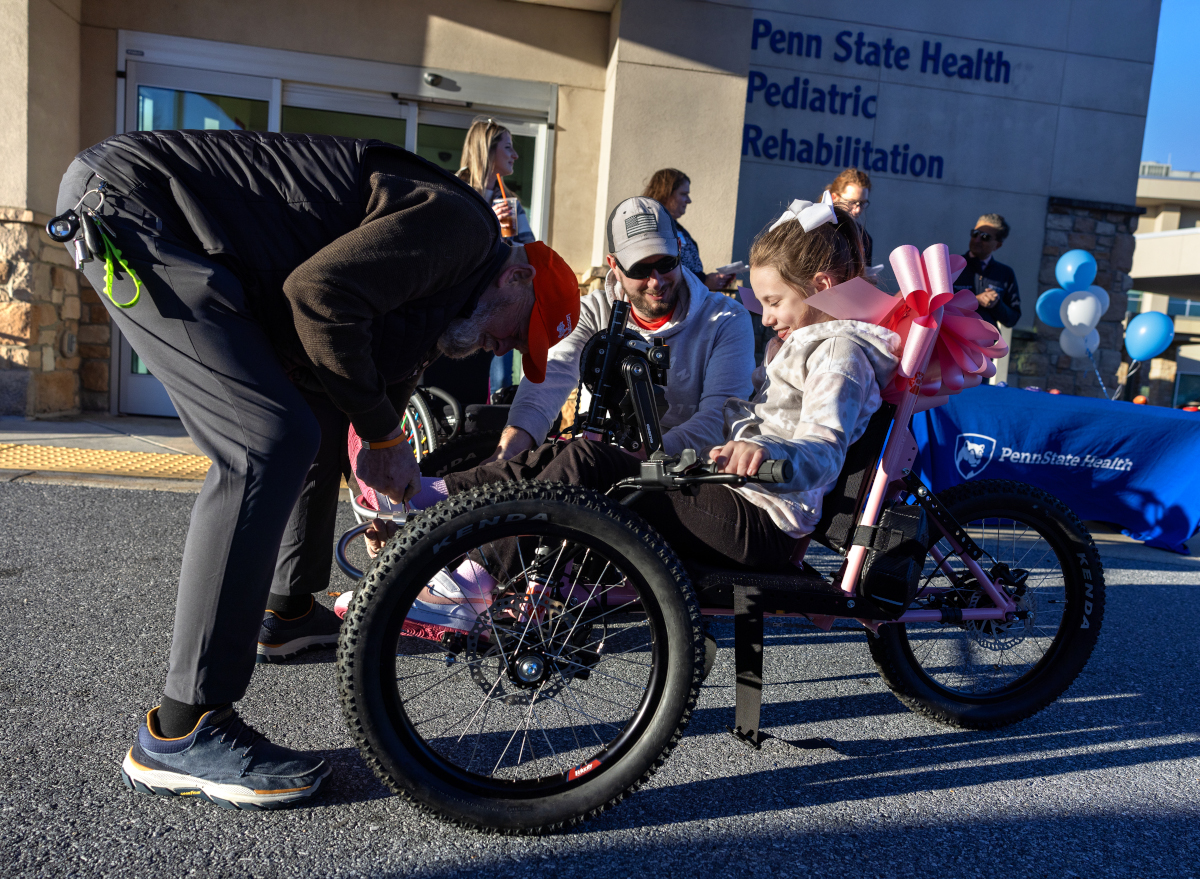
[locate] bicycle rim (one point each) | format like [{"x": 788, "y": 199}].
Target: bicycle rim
[
  {"x": 986, "y": 660},
  {"x": 543, "y": 670}
]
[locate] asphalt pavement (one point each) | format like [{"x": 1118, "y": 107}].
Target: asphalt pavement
[{"x": 1103, "y": 783}]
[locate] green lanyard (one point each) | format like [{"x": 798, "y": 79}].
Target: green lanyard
[{"x": 112, "y": 257}]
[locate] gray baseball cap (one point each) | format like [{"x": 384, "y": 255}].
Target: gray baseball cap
[{"x": 639, "y": 228}]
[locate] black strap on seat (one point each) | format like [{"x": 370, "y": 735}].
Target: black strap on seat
[{"x": 876, "y": 537}]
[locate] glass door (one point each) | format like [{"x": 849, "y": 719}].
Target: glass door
[
  {"x": 276, "y": 90},
  {"x": 160, "y": 97},
  {"x": 440, "y": 140},
  {"x": 310, "y": 109}
]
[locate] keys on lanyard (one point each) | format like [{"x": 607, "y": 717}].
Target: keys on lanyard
[
  {"x": 81, "y": 226},
  {"x": 91, "y": 237}
]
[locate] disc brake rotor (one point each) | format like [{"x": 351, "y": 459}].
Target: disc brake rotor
[
  {"x": 999, "y": 634},
  {"x": 520, "y": 632}
]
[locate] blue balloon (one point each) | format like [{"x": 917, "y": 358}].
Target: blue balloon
[
  {"x": 1048, "y": 305},
  {"x": 1148, "y": 335},
  {"x": 1075, "y": 270}
]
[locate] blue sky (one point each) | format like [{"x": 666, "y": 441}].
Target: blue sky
[{"x": 1173, "y": 119}]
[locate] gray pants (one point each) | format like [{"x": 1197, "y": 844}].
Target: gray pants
[{"x": 264, "y": 518}]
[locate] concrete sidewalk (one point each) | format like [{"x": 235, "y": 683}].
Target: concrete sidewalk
[
  {"x": 124, "y": 433},
  {"x": 103, "y": 451}
]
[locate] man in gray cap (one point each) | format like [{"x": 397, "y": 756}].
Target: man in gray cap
[{"x": 712, "y": 344}]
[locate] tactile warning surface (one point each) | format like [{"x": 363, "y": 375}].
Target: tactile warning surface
[{"x": 22, "y": 457}]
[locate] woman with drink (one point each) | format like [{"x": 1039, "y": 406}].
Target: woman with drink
[{"x": 488, "y": 157}]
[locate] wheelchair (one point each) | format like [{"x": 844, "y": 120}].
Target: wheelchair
[{"x": 585, "y": 650}]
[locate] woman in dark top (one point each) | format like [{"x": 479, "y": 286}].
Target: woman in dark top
[{"x": 672, "y": 189}]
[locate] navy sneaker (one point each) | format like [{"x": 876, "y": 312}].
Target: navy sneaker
[
  {"x": 281, "y": 639},
  {"x": 223, "y": 760}
]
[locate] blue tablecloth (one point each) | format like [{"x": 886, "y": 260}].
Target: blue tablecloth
[{"x": 1135, "y": 466}]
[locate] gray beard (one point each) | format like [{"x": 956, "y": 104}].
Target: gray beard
[{"x": 464, "y": 335}]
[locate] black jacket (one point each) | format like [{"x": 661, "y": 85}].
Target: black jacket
[
  {"x": 1007, "y": 310},
  {"x": 354, "y": 254}
]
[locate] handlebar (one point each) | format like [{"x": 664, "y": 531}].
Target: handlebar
[
  {"x": 771, "y": 472},
  {"x": 685, "y": 472},
  {"x": 775, "y": 471}
]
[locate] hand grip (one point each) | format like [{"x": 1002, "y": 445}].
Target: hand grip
[{"x": 774, "y": 471}]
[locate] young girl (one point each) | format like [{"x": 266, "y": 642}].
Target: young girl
[{"x": 821, "y": 380}]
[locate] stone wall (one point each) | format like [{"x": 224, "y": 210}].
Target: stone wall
[
  {"x": 95, "y": 335},
  {"x": 40, "y": 311},
  {"x": 1106, "y": 231}
]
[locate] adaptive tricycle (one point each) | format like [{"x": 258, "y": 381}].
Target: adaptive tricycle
[{"x": 581, "y": 649}]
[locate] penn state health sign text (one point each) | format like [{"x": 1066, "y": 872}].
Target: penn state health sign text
[{"x": 824, "y": 98}]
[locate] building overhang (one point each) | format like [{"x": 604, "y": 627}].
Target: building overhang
[{"x": 1167, "y": 262}]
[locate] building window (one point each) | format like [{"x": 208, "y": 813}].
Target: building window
[
  {"x": 1187, "y": 390},
  {"x": 1185, "y": 307},
  {"x": 160, "y": 108}
]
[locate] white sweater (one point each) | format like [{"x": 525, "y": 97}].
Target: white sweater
[
  {"x": 810, "y": 403},
  {"x": 712, "y": 359}
]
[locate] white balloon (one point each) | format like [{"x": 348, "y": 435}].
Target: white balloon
[
  {"x": 1079, "y": 346},
  {"x": 1101, "y": 294},
  {"x": 1080, "y": 312}
]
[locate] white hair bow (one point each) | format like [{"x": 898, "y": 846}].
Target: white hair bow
[{"x": 807, "y": 214}]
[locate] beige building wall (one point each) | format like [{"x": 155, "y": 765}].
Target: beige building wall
[
  {"x": 1171, "y": 203},
  {"x": 1167, "y": 259},
  {"x": 39, "y": 133},
  {"x": 674, "y": 98},
  {"x": 487, "y": 37},
  {"x": 39, "y": 99},
  {"x": 14, "y": 101},
  {"x": 642, "y": 84}
]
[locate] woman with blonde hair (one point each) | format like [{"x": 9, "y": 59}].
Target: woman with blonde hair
[{"x": 488, "y": 154}]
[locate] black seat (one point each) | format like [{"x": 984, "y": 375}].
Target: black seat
[
  {"x": 840, "y": 511},
  {"x": 843, "y": 504}
]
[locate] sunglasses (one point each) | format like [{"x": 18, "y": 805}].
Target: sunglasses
[
  {"x": 849, "y": 205},
  {"x": 984, "y": 236},
  {"x": 642, "y": 270}
]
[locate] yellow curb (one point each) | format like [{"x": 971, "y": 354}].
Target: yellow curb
[{"x": 102, "y": 461}]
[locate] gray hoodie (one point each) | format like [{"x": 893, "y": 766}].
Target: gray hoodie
[
  {"x": 811, "y": 401},
  {"x": 712, "y": 359}
]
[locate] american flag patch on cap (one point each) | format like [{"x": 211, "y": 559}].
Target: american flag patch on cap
[{"x": 639, "y": 223}]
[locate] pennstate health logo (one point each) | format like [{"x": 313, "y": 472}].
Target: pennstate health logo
[
  {"x": 564, "y": 328},
  {"x": 972, "y": 453}
]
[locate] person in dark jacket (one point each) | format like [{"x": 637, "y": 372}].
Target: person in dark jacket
[
  {"x": 994, "y": 284},
  {"x": 283, "y": 287}
]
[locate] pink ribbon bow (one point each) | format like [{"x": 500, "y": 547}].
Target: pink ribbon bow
[{"x": 966, "y": 344}]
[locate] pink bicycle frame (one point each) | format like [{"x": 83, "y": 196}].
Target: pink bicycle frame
[{"x": 898, "y": 456}]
